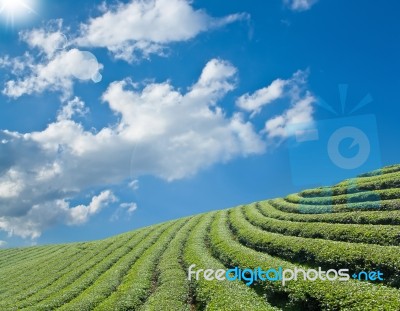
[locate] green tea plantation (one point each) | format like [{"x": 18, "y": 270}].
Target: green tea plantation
[{"x": 354, "y": 225}]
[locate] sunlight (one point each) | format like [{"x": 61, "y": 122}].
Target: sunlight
[{"x": 16, "y": 10}]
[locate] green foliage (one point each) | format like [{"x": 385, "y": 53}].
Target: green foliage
[
  {"x": 271, "y": 209},
  {"x": 387, "y": 181},
  {"x": 58, "y": 288},
  {"x": 385, "y": 170},
  {"x": 289, "y": 207},
  {"x": 304, "y": 295},
  {"x": 11, "y": 257},
  {"x": 172, "y": 291},
  {"x": 372, "y": 234},
  {"x": 217, "y": 295},
  {"x": 324, "y": 253},
  {"x": 137, "y": 280},
  {"x": 366, "y": 196},
  {"x": 24, "y": 280}
]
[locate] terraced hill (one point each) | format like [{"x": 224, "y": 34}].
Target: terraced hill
[{"x": 354, "y": 224}]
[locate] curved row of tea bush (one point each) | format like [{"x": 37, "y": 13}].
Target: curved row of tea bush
[
  {"x": 137, "y": 281},
  {"x": 388, "y": 205},
  {"x": 28, "y": 278},
  {"x": 173, "y": 287},
  {"x": 382, "y": 171},
  {"x": 327, "y": 254},
  {"x": 387, "y": 181},
  {"x": 303, "y": 295},
  {"x": 364, "y": 196},
  {"x": 56, "y": 289},
  {"x": 28, "y": 253},
  {"x": 268, "y": 209},
  {"x": 94, "y": 286},
  {"x": 353, "y": 233},
  {"x": 217, "y": 295}
]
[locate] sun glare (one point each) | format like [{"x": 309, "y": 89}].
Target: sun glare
[{"x": 16, "y": 10}]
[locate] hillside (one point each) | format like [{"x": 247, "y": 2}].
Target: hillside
[{"x": 354, "y": 224}]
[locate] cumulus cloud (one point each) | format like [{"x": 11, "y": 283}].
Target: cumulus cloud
[
  {"x": 3, "y": 243},
  {"x": 284, "y": 125},
  {"x": 140, "y": 28},
  {"x": 254, "y": 102},
  {"x": 300, "y": 5},
  {"x": 290, "y": 89},
  {"x": 161, "y": 131},
  {"x": 73, "y": 107},
  {"x": 47, "y": 40},
  {"x": 162, "y": 121},
  {"x": 80, "y": 214},
  {"x": 57, "y": 74},
  {"x": 44, "y": 215},
  {"x": 294, "y": 90},
  {"x": 54, "y": 68},
  {"x": 129, "y": 31}
]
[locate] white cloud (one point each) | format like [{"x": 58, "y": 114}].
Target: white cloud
[
  {"x": 161, "y": 132},
  {"x": 300, "y": 5},
  {"x": 55, "y": 68},
  {"x": 301, "y": 113},
  {"x": 3, "y": 243},
  {"x": 81, "y": 213},
  {"x": 49, "y": 40},
  {"x": 278, "y": 89},
  {"x": 217, "y": 78},
  {"x": 10, "y": 189},
  {"x": 18, "y": 65},
  {"x": 42, "y": 216},
  {"x": 254, "y": 102},
  {"x": 128, "y": 30},
  {"x": 71, "y": 108},
  {"x": 56, "y": 74},
  {"x": 172, "y": 127},
  {"x": 141, "y": 28},
  {"x": 293, "y": 90}
]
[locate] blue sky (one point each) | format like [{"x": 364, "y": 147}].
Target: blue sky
[{"x": 117, "y": 115}]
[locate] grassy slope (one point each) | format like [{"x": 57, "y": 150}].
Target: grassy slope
[{"x": 354, "y": 224}]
